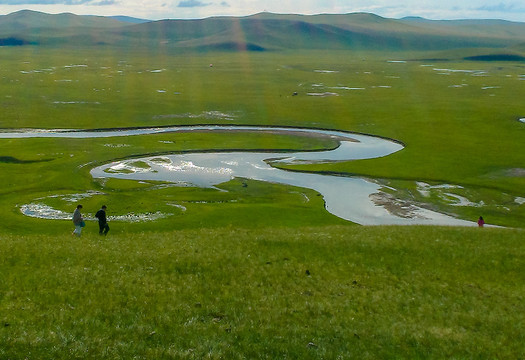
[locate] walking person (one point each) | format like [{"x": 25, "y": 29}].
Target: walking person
[
  {"x": 78, "y": 221},
  {"x": 481, "y": 222},
  {"x": 102, "y": 220}
]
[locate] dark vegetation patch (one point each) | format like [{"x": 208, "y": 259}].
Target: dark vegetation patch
[
  {"x": 12, "y": 41},
  {"x": 231, "y": 46},
  {"x": 496, "y": 57},
  {"x": 13, "y": 160}
]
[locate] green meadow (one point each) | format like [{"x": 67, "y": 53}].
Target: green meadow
[
  {"x": 322, "y": 292},
  {"x": 458, "y": 121},
  {"x": 256, "y": 271}
]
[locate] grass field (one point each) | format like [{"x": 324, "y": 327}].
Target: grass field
[
  {"x": 330, "y": 292},
  {"x": 257, "y": 272},
  {"x": 458, "y": 121}
]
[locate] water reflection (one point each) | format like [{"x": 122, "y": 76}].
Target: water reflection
[{"x": 354, "y": 199}]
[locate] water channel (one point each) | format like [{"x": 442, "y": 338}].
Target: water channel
[{"x": 351, "y": 198}]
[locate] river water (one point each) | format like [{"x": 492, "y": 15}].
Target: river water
[{"x": 351, "y": 198}]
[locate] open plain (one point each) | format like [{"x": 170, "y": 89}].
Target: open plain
[{"x": 254, "y": 269}]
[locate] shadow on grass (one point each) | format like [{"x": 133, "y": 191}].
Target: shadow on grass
[{"x": 13, "y": 160}]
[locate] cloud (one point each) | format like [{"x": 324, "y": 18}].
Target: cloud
[
  {"x": 104, "y": 2},
  {"x": 502, "y": 8},
  {"x": 225, "y": 4},
  {"x": 59, "y": 2},
  {"x": 192, "y": 3}
]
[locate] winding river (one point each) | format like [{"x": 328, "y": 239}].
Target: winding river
[{"x": 351, "y": 198}]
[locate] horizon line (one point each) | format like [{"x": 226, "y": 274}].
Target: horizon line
[{"x": 264, "y": 12}]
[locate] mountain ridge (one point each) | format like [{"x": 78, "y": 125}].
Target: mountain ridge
[{"x": 259, "y": 32}]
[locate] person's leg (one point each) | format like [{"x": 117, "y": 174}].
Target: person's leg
[
  {"x": 100, "y": 228},
  {"x": 106, "y": 228},
  {"x": 78, "y": 230}
]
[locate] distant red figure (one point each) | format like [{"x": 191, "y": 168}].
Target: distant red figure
[{"x": 481, "y": 222}]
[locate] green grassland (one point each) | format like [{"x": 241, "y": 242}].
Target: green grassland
[
  {"x": 330, "y": 292},
  {"x": 459, "y": 128},
  {"x": 257, "y": 271}
]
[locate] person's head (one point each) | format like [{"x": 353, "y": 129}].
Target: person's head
[
  {"x": 104, "y": 207},
  {"x": 79, "y": 206}
]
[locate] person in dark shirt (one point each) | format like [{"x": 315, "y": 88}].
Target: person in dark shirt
[{"x": 102, "y": 220}]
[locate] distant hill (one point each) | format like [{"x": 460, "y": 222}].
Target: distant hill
[
  {"x": 129, "y": 19},
  {"x": 36, "y": 28},
  {"x": 28, "y": 19},
  {"x": 260, "y": 32}
]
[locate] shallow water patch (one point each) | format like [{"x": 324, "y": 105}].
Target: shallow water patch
[
  {"x": 73, "y": 198},
  {"x": 460, "y": 71},
  {"x": 425, "y": 189},
  {"x": 346, "y": 88},
  {"x": 212, "y": 115},
  {"x": 43, "y": 211},
  {"x": 181, "y": 207},
  {"x": 76, "y": 102},
  {"x": 458, "y": 200},
  {"x": 117, "y": 145},
  {"x": 131, "y": 167},
  {"x": 323, "y": 94}
]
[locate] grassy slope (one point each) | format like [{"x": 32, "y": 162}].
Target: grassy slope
[{"x": 309, "y": 293}]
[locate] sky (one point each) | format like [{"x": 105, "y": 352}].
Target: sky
[{"x": 513, "y": 10}]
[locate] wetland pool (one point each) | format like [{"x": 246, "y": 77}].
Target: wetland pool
[{"x": 351, "y": 198}]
